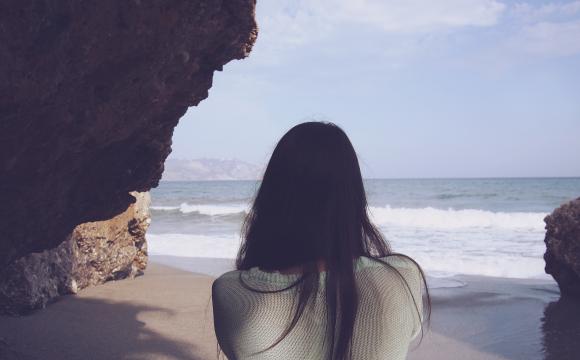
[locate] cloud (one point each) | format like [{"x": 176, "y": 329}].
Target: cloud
[
  {"x": 412, "y": 16},
  {"x": 298, "y": 22},
  {"x": 547, "y": 39},
  {"x": 399, "y": 31},
  {"x": 531, "y": 13},
  {"x": 286, "y": 25},
  {"x": 545, "y": 30}
]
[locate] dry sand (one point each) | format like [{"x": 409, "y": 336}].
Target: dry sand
[{"x": 166, "y": 314}]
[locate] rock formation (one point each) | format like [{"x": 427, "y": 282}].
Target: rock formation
[
  {"x": 90, "y": 93},
  {"x": 93, "y": 253},
  {"x": 6, "y": 353},
  {"x": 563, "y": 247}
]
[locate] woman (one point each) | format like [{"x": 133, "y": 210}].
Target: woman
[{"x": 315, "y": 279}]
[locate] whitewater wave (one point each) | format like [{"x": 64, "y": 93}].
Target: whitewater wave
[
  {"x": 189, "y": 245},
  {"x": 430, "y": 217},
  {"x": 437, "y": 263},
  {"x": 417, "y": 218},
  {"x": 205, "y": 209}
]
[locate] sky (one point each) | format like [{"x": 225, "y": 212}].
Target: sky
[{"x": 423, "y": 88}]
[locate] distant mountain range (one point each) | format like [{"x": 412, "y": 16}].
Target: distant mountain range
[{"x": 210, "y": 169}]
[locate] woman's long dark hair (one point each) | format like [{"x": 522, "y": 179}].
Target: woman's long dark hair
[{"x": 311, "y": 206}]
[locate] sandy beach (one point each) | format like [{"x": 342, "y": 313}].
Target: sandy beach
[{"x": 166, "y": 314}]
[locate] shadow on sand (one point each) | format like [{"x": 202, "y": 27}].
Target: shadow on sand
[{"x": 77, "y": 328}]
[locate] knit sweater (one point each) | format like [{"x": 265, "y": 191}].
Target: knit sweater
[{"x": 387, "y": 319}]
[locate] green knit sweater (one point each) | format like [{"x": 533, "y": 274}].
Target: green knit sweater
[{"x": 387, "y": 320}]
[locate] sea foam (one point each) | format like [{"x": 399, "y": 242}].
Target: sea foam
[
  {"x": 205, "y": 209},
  {"x": 430, "y": 217},
  {"x": 190, "y": 245},
  {"x": 427, "y": 217},
  {"x": 444, "y": 241}
]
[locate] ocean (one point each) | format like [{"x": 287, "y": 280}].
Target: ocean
[{"x": 491, "y": 227}]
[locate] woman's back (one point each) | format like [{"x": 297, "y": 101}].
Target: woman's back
[
  {"x": 248, "y": 321},
  {"x": 310, "y": 209}
]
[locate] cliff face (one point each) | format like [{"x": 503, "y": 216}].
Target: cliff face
[
  {"x": 90, "y": 93},
  {"x": 563, "y": 247},
  {"x": 92, "y": 254}
]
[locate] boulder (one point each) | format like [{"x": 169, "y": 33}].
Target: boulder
[
  {"x": 90, "y": 93},
  {"x": 92, "y": 254},
  {"x": 563, "y": 247}
]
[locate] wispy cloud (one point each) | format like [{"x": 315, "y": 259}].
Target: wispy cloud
[
  {"x": 298, "y": 22},
  {"x": 494, "y": 32},
  {"x": 544, "y": 30},
  {"x": 551, "y": 39},
  {"x": 532, "y": 13},
  {"x": 412, "y": 16}
]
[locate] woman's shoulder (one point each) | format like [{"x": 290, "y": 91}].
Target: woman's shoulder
[
  {"x": 225, "y": 279},
  {"x": 225, "y": 288},
  {"x": 400, "y": 262},
  {"x": 395, "y": 271},
  {"x": 402, "y": 285}
]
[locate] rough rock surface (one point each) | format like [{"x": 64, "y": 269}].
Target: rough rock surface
[
  {"x": 93, "y": 253},
  {"x": 563, "y": 247},
  {"x": 90, "y": 93},
  {"x": 6, "y": 353}
]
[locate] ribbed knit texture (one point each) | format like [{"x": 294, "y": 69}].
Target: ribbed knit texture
[{"x": 387, "y": 319}]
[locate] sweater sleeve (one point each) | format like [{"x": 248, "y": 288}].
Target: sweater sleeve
[
  {"x": 389, "y": 316},
  {"x": 223, "y": 327},
  {"x": 413, "y": 279}
]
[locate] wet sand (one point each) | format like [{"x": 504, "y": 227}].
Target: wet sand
[{"x": 166, "y": 314}]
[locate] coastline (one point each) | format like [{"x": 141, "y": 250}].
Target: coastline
[{"x": 166, "y": 314}]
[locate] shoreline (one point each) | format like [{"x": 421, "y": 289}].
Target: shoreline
[
  {"x": 166, "y": 314},
  {"x": 217, "y": 266}
]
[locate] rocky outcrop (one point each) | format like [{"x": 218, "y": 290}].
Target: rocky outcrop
[
  {"x": 6, "y": 353},
  {"x": 113, "y": 249},
  {"x": 90, "y": 93},
  {"x": 563, "y": 247},
  {"x": 93, "y": 253}
]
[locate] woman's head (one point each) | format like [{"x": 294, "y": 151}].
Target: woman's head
[{"x": 311, "y": 204}]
